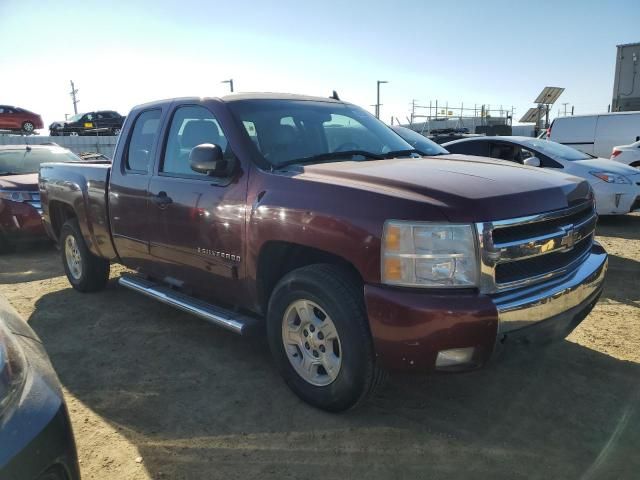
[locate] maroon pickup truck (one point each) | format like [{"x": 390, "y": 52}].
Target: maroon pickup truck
[{"x": 312, "y": 217}]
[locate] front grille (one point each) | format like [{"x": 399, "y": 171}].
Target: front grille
[
  {"x": 540, "y": 265},
  {"x": 528, "y": 250},
  {"x": 529, "y": 230}
]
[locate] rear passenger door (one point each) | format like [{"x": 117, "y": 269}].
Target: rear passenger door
[
  {"x": 128, "y": 189},
  {"x": 197, "y": 220}
]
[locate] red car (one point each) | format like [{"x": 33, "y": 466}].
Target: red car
[
  {"x": 20, "y": 210},
  {"x": 19, "y": 120}
]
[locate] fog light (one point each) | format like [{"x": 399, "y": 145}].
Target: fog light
[{"x": 455, "y": 356}]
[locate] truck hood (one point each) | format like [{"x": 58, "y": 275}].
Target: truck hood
[
  {"x": 24, "y": 182},
  {"x": 465, "y": 188}
]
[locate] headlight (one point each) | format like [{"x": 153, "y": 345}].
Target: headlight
[
  {"x": 12, "y": 371},
  {"x": 611, "y": 177},
  {"x": 16, "y": 196},
  {"x": 429, "y": 255}
]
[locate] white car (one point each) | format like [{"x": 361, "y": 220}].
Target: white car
[
  {"x": 616, "y": 186},
  {"x": 627, "y": 154}
]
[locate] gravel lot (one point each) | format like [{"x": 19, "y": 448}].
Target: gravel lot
[{"x": 155, "y": 393}]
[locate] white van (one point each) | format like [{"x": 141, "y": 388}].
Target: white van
[{"x": 596, "y": 134}]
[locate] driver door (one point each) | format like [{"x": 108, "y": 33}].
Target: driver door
[{"x": 198, "y": 219}]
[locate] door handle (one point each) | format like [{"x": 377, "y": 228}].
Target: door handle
[{"x": 162, "y": 199}]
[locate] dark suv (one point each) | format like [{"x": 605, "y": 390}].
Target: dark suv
[{"x": 103, "y": 122}]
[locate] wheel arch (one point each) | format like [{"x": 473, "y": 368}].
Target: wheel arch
[{"x": 277, "y": 258}]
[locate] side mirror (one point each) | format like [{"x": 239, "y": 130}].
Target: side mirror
[
  {"x": 207, "y": 158},
  {"x": 532, "y": 162}
]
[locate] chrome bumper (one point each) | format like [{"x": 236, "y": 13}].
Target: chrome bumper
[{"x": 526, "y": 307}]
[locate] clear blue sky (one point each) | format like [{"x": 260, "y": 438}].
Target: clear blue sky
[{"x": 121, "y": 53}]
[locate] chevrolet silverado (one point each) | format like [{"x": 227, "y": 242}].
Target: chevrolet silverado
[{"x": 310, "y": 221}]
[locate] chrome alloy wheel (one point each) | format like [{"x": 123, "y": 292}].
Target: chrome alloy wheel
[
  {"x": 311, "y": 343},
  {"x": 72, "y": 254}
]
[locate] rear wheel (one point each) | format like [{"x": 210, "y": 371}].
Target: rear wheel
[
  {"x": 319, "y": 337},
  {"x": 28, "y": 127},
  {"x": 115, "y": 131},
  {"x": 85, "y": 271}
]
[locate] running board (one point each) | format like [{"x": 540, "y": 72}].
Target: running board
[{"x": 236, "y": 322}]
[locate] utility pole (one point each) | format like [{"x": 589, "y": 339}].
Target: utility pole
[
  {"x": 73, "y": 93},
  {"x": 565, "y": 108},
  {"x": 230, "y": 82},
  {"x": 378, "y": 97}
]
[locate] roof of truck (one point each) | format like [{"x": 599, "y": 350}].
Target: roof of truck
[
  {"x": 244, "y": 96},
  {"x": 275, "y": 96}
]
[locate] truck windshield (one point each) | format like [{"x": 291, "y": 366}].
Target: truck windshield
[
  {"x": 22, "y": 161},
  {"x": 288, "y": 131}
]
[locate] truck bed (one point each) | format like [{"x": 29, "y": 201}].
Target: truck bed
[{"x": 83, "y": 188}]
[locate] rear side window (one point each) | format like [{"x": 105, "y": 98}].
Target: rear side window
[
  {"x": 143, "y": 138},
  {"x": 470, "y": 148},
  {"x": 191, "y": 126}
]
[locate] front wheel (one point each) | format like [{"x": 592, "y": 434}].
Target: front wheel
[
  {"x": 85, "y": 271},
  {"x": 319, "y": 337}
]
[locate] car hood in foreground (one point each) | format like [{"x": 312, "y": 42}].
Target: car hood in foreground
[
  {"x": 24, "y": 182},
  {"x": 464, "y": 188}
]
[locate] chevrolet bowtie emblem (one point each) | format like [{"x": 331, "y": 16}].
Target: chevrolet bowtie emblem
[{"x": 569, "y": 238}]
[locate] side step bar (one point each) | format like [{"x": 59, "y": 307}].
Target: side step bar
[{"x": 236, "y": 322}]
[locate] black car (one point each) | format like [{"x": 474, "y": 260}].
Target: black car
[
  {"x": 103, "y": 122},
  {"x": 36, "y": 440}
]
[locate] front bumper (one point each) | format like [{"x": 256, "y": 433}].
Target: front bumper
[
  {"x": 616, "y": 199},
  {"x": 20, "y": 222},
  {"x": 410, "y": 328}
]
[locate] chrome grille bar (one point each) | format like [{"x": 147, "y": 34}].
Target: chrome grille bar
[{"x": 534, "y": 237}]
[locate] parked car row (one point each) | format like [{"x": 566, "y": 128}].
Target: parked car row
[
  {"x": 101, "y": 122},
  {"x": 360, "y": 248}
]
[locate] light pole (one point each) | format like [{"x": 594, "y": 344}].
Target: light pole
[
  {"x": 230, "y": 82},
  {"x": 378, "y": 97}
]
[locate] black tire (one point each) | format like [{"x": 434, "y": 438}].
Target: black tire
[
  {"x": 115, "y": 131},
  {"x": 92, "y": 272},
  {"x": 340, "y": 295},
  {"x": 5, "y": 246}
]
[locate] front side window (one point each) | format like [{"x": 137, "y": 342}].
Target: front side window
[
  {"x": 143, "y": 138},
  {"x": 191, "y": 126},
  {"x": 290, "y": 130}
]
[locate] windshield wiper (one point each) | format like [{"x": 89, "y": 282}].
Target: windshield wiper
[
  {"x": 331, "y": 156},
  {"x": 2, "y": 174}
]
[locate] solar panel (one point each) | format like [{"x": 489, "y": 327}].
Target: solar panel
[
  {"x": 531, "y": 116},
  {"x": 549, "y": 95}
]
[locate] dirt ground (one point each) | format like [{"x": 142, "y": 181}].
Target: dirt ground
[{"x": 155, "y": 393}]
